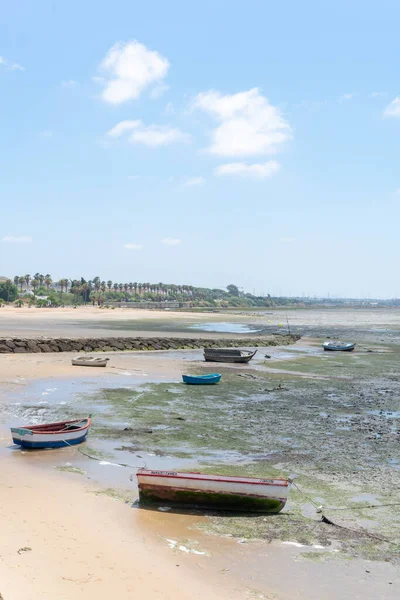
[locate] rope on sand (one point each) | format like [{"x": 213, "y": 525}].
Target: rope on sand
[
  {"x": 144, "y": 466},
  {"x": 327, "y": 521}
]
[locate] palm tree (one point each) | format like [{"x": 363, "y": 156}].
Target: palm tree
[
  {"x": 135, "y": 288},
  {"x": 96, "y": 282},
  {"x": 27, "y": 280},
  {"x": 48, "y": 281},
  {"x": 16, "y": 280},
  {"x": 140, "y": 289},
  {"x": 115, "y": 286},
  {"x": 75, "y": 288},
  {"x": 130, "y": 286},
  {"x": 85, "y": 291},
  {"x": 8, "y": 285},
  {"x": 21, "y": 281},
  {"x": 41, "y": 279},
  {"x": 109, "y": 284},
  {"x": 63, "y": 283},
  {"x": 35, "y": 282},
  {"x": 121, "y": 286},
  {"x": 103, "y": 286}
]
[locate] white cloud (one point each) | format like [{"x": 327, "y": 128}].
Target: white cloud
[
  {"x": 17, "y": 239},
  {"x": 257, "y": 171},
  {"x": 10, "y": 66},
  {"x": 133, "y": 246},
  {"x": 345, "y": 97},
  {"x": 123, "y": 127},
  {"x": 159, "y": 90},
  {"x": 69, "y": 83},
  {"x": 131, "y": 68},
  {"x": 193, "y": 181},
  {"x": 150, "y": 135},
  {"x": 249, "y": 124},
  {"x": 169, "y": 109},
  {"x": 393, "y": 109},
  {"x": 171, "y": 241},
  {"x": 287, "y": 240},
  {"x": 377, "y": 94}
]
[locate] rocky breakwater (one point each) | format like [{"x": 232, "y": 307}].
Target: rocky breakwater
[{"x": 118, "y": 344}]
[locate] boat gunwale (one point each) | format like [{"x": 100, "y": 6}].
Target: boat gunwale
[
  {"x": 279, "y": 481},
  {"x": 39, "y": 429},
  {"x": 208, "y": 376}
]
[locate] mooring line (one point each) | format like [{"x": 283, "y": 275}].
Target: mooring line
[
  {"x": 101, "y": 459},
  {"x": 325, "y": 519}
]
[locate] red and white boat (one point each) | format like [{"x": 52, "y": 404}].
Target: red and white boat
[
  {"x": 212, "y": 491},
  {"x": 51, "y": 435}
]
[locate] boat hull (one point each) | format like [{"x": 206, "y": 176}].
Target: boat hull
[
  {"x": 100, "y": 362},
  {"x": 52, "y": 435},
  {"x": 202, "y": 379},
  {"x": 212, "y": 492},
  {"x": 228, "y": 358},
  {"x": 347, "y": 348},
  {"x": 36, "y": 442}
]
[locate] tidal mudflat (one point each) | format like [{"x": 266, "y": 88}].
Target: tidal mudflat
[{"x": 331, "y": 419}]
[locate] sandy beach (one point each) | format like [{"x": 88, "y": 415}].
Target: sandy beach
[
  {"x": 70, "y": 525},
  {"x": 61, "y": 540}
]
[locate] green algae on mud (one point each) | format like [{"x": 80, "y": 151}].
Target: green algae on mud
[
  {"x": 115, "y": 494},
  {"x": 71, "y": 469},
  {"x": 339, "y": 434}
]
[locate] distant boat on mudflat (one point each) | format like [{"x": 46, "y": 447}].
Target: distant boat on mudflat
[
  {"x": 51, "y": 435},
  {"x": 202, "y": 379},
  {"x": 220, "y": 492},
  {"x": 339, "y": 346},
  {"x": 90, "y": 361},
  {"x": 228, "y": 355}
]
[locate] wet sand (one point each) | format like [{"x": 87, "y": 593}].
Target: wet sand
[
  {"x": 92, "y": 321},
  {"x": 61, "y": 540},
  {"x": 371, "y": 323}
]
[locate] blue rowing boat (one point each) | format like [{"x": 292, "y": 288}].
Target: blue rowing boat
[
  {"x": 338, "y": 346},
  {"x": 201, "y": 379}
]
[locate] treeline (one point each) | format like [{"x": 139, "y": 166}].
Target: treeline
[{"x": 42, "y": 290}]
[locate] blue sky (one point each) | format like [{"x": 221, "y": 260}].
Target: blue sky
[{"x": 202, "y": 143}]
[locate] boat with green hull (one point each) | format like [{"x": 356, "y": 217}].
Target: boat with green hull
[{"x": 216, "y": 492}]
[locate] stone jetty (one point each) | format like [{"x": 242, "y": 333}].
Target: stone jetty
[{"x": 131, "y": 344}]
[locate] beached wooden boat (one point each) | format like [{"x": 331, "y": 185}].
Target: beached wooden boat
[
  {"x": 202, "y": 379},
  {"x": 339, "y": 346},
  {"x": 228, "y": 355},
  {"x": 51, "y": 435},
  {"x": 212, "y": 491},
  {"x": 90, "y": 361}
]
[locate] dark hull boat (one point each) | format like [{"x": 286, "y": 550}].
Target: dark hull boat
[{"x": 228, "y": 355}]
